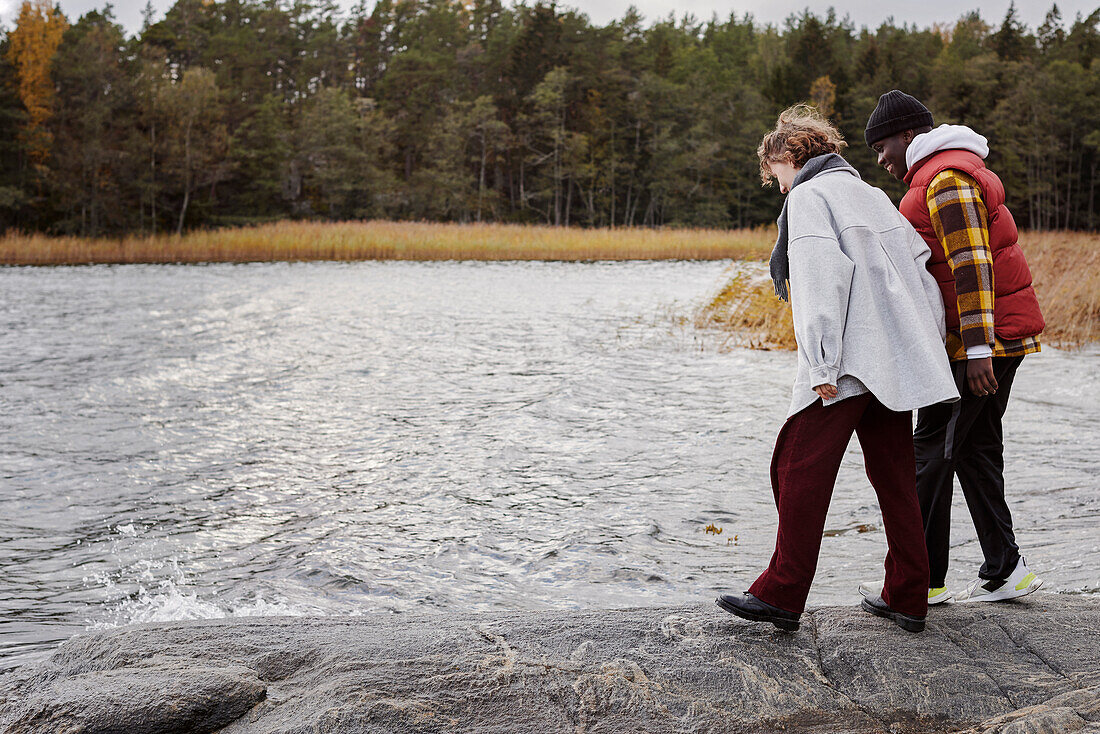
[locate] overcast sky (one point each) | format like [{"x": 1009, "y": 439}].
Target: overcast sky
[{"x": 862, "y": 12}]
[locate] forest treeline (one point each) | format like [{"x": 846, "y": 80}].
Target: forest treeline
[{"x": 241, "y": 111}]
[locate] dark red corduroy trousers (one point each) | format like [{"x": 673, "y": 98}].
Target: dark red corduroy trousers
[{"x": 805, "y": 463}]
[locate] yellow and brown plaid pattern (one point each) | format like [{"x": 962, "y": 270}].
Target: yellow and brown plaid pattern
[{"x": 961, "y": 223}]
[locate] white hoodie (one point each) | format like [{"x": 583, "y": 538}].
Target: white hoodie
[
  {"x": 946, "y": 137},
  {"x": 950, "y": 137}
]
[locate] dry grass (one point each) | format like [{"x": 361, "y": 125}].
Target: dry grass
[
  {"x": 748, "y": 313},
  {"x": 1065, "y": 267},
  {"x": 383, "y": 240}
]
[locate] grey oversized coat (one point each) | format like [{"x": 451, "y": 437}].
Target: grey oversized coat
[{"x": 864, "y": 304}]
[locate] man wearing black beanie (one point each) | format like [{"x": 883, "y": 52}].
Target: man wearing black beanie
[
  {"x": 895, "y": 113},
  {"x": 992, "y": 320}
]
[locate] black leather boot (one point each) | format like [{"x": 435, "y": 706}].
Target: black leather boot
[
  {"x": 876, "y": 606},
  {"x": 748, "y": 606}
]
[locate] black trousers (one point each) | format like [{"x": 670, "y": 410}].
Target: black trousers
[{"x": 965, "y": 439}]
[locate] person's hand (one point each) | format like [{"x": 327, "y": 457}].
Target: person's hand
[
  {"x": 826, "y": 392},
  {"x": 979, "y": 376}
]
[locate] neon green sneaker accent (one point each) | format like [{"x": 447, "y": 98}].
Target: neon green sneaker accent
[
  {"x": 938, "y": 595},
  {"x": 1025, "y": 581}
]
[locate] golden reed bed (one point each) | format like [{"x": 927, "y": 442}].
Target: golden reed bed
[
  {"x": 383, "y": 240},
  {"x": 1066, "y": 265}
]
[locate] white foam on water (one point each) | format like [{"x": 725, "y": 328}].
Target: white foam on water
[
  {"x": 169, "y": 602},
  {"x": 128, "y": 530},
  {"x": 144, "y": 590}
]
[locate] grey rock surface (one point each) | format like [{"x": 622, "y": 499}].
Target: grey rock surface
[{"x": 1027, "y": 667}]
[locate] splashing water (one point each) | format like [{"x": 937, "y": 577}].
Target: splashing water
[{"x": 353, "y": 438}]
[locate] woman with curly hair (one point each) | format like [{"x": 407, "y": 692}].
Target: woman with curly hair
[{"x": 868, "y": 321}]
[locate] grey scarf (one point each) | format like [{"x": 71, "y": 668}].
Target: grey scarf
[{"x": 780, "y": 265}]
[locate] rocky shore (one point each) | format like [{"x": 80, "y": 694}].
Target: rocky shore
[{"x": 1031, "y": 666}]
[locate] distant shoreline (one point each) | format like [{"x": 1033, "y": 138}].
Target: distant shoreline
[
  {"x": 391, "y": 240},
  {"x": 1065, "y": 265}
]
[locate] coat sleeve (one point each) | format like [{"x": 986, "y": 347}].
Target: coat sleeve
[
  {"x": 821, "y": 282},
  {"x": 961, "y": 223}
]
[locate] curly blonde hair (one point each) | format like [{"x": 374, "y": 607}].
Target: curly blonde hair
[{"x": 800, "y": 134}]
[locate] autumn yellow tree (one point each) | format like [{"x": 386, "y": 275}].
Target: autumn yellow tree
[
  {"x": 34, "y": 42},
  {"x": 823, "y": 95}
]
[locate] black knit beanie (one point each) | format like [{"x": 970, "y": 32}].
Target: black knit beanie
[{"x": 896, "y": 111}]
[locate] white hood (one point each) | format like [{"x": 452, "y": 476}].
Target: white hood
[{"x": 946, "y": 137}]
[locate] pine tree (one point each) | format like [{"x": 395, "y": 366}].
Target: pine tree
[
  {"x": 14, "y": 196},
  {"x": 89, "y": 130}
]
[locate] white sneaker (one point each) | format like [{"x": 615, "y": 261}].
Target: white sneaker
[
  {"x": 1020, "y": 582},
  {"x": 935, "y": 596},
  {"x": 939, "y": 596}
]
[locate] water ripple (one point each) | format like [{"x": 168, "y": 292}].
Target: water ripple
[{"x": 203, "y": 441}]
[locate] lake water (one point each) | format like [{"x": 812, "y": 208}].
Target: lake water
[{"x": 322, "y": 438}]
